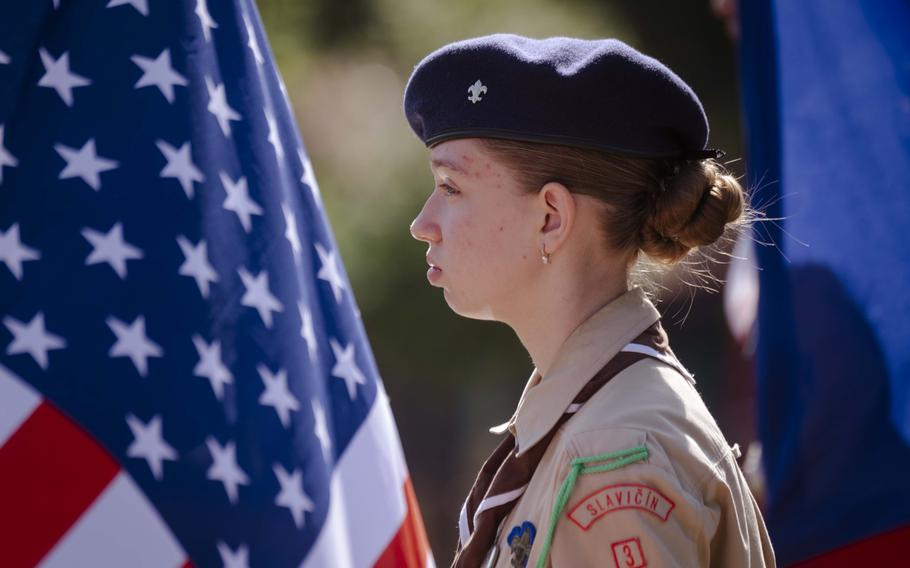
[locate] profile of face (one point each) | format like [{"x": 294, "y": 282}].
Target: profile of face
[{"x": 483, "y": 231}]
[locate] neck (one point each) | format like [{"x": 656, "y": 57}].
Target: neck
[{"x": 557, "y": 309}]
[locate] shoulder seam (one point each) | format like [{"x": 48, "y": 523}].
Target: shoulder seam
[{"x": 713, "y": 469}]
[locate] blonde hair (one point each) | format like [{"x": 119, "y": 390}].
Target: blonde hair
[{"x": 661, "y": 208}]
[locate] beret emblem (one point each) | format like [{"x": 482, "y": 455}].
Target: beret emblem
[{"x": 476, "y": 90}]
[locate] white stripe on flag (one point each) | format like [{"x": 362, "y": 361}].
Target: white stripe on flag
[
  {"x": 121, "y": 528},
  {"x": 366, "y": 496},
  {"x": 17, "y": 402}
]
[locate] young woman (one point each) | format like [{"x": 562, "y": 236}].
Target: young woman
[{"x": 560, "y": 165}]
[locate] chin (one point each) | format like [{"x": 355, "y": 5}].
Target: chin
[{"x": 471, "y": 310}]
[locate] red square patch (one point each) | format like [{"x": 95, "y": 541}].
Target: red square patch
[{"x": 628, "y": 554}]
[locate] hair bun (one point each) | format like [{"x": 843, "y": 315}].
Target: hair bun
[{"x": 691, "y": 209}]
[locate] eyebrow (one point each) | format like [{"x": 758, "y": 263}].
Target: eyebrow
[{"x": 441, "y": 163}]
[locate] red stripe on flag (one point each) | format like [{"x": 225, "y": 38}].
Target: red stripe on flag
[
  {"x": 409, "y": 548},
  {"x": 886, "y": 549},
  {"x": 50, "y": 472}
]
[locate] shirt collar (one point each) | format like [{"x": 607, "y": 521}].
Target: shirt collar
[{"x": 581, "y": 356}]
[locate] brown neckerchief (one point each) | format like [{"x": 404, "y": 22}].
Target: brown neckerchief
[{"x": 504, "y": 473}]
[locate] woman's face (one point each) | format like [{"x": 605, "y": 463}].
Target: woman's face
[{"x": 482, "y": 231}]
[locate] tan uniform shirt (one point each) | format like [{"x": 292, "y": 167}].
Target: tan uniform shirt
[{"x": 687, "y": 505}]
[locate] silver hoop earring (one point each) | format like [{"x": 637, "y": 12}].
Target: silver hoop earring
[{"x": 544, "y": 255}]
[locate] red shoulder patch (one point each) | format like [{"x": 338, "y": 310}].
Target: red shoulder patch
[
  {"x": 618, "y": 497},
  {"x": 628, "y": 554}
]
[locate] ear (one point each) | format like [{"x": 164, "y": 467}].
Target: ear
[{"x": 559, "y": 208}]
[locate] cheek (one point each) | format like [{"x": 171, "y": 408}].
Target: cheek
[
  {"x": 486, "y": 242},
  {"x": 497, "y": 247}
]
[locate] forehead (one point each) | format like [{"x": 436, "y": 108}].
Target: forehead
[{"x": 465, "y": 156}]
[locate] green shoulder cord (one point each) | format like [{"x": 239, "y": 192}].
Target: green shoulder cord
[{"x": 615, "y": 460}]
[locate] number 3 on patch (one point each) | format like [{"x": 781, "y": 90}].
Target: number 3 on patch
[{"x": 628, "y": 554}]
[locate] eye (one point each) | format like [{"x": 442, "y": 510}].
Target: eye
[{"x": 448, "y": 189}]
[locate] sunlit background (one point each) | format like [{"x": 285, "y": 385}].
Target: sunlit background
[{"x": 345, "y": 65}]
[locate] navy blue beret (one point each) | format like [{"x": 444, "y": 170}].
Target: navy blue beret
[{"x": 598, "y": 94}]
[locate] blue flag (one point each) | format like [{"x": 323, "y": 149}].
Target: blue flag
[
  {"x": 827, "y": 98},
  {"x": 184, "y": 377}
]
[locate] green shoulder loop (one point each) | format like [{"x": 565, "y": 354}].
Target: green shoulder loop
[{"x": 581, "y": 466}]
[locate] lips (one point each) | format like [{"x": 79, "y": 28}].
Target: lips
[{"x": 434, "y": 272}]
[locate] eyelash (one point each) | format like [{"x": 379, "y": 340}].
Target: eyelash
[{"x": 448, "y": 190}]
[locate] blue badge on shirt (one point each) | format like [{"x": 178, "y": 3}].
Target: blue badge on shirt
[{"x": 520, "y": 540}]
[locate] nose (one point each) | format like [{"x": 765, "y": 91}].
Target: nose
[{"x": 424, "y": 227}]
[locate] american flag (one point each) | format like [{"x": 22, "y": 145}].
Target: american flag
[{"x": 184, "y": 376}]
